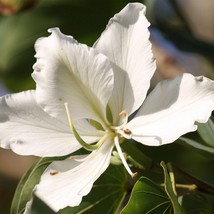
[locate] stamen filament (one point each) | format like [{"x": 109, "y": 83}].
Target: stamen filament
[
  {"x": 122, "y": 114},
  {"x": 117, "y": 145}
]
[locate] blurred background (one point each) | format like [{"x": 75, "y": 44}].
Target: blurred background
[{"x": 182, "y": 34}]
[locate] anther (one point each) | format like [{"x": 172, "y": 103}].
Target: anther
[
  {"x": 78, "y": 159},
  {"x": 54, "y": 173},
  {"x": 123, "y": 114},
  {"x": 134, "y": 175},
  {"x": 125, "y": 121},
  {"x": 127, "y": 131}
]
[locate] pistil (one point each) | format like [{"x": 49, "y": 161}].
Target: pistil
[{"x": 80, "y": 140}]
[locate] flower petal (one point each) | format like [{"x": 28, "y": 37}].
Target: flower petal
[
  {"x": 28, "y": 207},
  {"x": 69, "y": 72},
  {"x": 28, "y": 130},
  {"x": 64, "y": 183},
  {"x": 126, "y": 43},
  {"x": 172, "y": 109}
]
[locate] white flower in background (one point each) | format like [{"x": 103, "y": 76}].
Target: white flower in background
[{"x": 85, "y": 95}]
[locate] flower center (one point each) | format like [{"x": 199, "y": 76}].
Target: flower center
[
  {"x": 121, "y": 130},
  {"x": 117, "y": 133}
]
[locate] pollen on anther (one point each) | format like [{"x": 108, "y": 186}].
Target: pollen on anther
[
  {"x": 72, "y": 158},
  {"x": 134, "y": 175},
  {"x": 127, "y": 131},
  {"x": 54, "y": 173},
  {"x": 123, "y": 113}
]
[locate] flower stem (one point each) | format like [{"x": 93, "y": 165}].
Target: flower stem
[
  {"x": 172, "y": 178},
  {"x": 190, "y": 187}
]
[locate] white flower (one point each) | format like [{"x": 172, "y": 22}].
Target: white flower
[{"x": 85, "y": 95}]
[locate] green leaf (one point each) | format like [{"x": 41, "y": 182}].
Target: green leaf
[
  {"x": 148, "y": 197},
  {"x": 202, "y": 184},
  {"x": 168, "y": 185},
  {"x": 206, "y": 132},
  {"x": 106, "y": 195},
  {"x": 140, "y": 159},
  {"x": 29, "y": 180},
  {"x": 39, "y": 207},
  {"x": 202, "y": 147},
  {"x": 196, "y": 203}
]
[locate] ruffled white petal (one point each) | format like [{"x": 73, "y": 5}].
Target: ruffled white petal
[
  {"x": 69, "y": 72},
  {"x": 64, "y": 183},
  {"x": 28, "y": 207},
  {"x": 172, "y": 109},
  {"x": 126, "y": 43},
  {"x": 28, "y": 130}
]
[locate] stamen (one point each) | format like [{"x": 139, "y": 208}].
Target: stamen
[
  {"x": 127, "y": 131},
  {"x": 122, "y": 114},
  {"x": 54, "y": 173},
  {"x": 117, "y": 145},
  {"x": 125, "y": 134}
]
